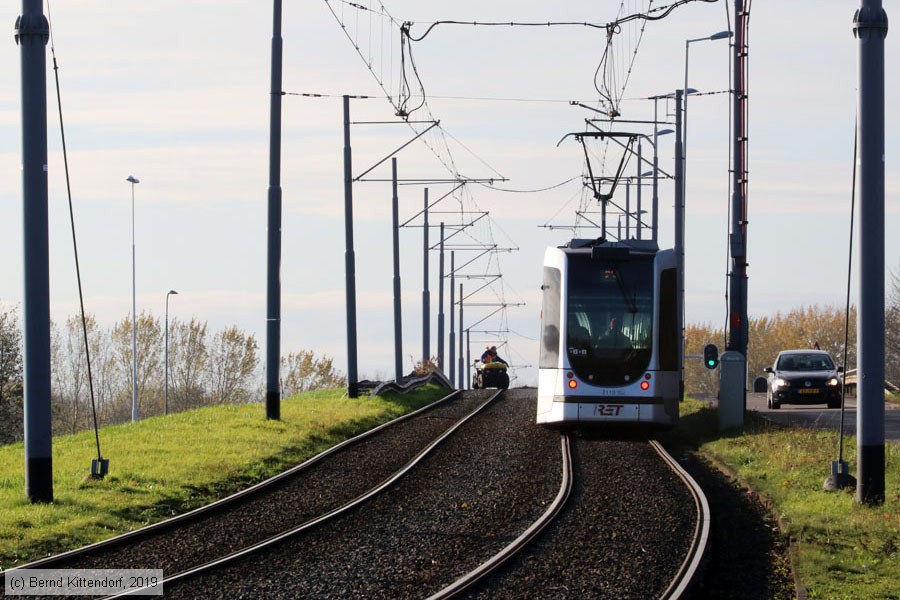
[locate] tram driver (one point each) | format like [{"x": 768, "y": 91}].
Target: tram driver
[{"x": 614, "y": 337}]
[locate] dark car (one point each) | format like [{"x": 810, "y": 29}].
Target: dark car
[{"x": 803, "y": 377}]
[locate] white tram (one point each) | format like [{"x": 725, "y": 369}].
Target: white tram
[{"x": 610, "y": 336}]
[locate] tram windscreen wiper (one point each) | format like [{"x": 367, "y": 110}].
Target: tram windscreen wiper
[{"x": 630, "y": 300}]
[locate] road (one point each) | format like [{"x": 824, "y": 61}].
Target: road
[{"x": 819, "y": 416}]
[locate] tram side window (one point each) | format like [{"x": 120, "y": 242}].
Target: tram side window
[
  {"x": 549, "y": 358},
  {"x": 668, "y": 323}
]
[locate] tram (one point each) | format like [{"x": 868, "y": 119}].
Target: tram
[{"x": 610, "y": 335}]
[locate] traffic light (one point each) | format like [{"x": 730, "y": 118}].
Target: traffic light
[{"x": 711, "y": 356}]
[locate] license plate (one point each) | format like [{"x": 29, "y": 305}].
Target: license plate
[{"x": 809, "y": 391}]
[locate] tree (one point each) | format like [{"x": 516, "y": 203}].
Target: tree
[
  {"x": 10, "y": 375},
  {"x": 302, "y": 371},
  {"x": 801, "y": 327},
  {"x": 892, "y": 331},
  {"x": 70, "y": 386},
  {"x": 188, "y": 360},
  {"x": 149, "y": 364},
  {"x": 232, "y": 361},
  {"x": 10, "y": 356}
]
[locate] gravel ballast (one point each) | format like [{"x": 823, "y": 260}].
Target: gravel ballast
[
  {"x": 624, "y": 534},
  {"x": 327, "y": 484},
  {"x": 465, "y": 502}
]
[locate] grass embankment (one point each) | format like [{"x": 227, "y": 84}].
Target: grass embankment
[
  {"x": 844, "y": 549},
  {"x": 163, "y": 466}
]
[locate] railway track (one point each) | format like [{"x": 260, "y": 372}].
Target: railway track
[
  {"x": 504, "y": 509},
  {"x": 467, "y": 500},
  {"x": 678, "y": 585},
  {"x": 310, "y": 489},
  {"x": 282, "y": 537},
  {"x": 620, "y": 535}
]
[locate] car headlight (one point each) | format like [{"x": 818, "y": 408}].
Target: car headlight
[
  {"x": 780, "y": 382},
  {"x": 832, "y": 382}
]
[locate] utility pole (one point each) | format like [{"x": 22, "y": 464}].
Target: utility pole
[
  {"x": 738, "y": 325},
  {"x": 452, "y": 361},
  {"x": 679, "y": 237},
  {"x": 426, "y": 295},
  {"x": 349, "y": 259},
  {"x": 460, "y": 364},
  {"x": 468, "y": 361},
  {"x": 273, "y": 261},
  {"x": 398, "y": 326},
  {"x": 870, "y": 25},
  {"x": 440, "y": 339},
  {"x": 32, "y": 34}
]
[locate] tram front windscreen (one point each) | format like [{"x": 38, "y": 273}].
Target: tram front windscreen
[{"x": 609, "y": 332}]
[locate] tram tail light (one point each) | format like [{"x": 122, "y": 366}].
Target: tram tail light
[
  {"x": 645, "y": 385},
  {"x": 573, "y": 384}
]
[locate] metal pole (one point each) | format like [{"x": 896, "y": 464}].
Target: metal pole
[
  {"x": 350, "y": 259},
  {"x": 452, "y": 361},
  {"x": 679, "y": 234},
  {"x": 603, "y": 203},
  {"x": 134, "y": 393},
  {"x": 32, "y": 33},
  {"x": 398, "y": 326},
  {"x": 440, "y": 340},
  {"x": 870, "y": 26},
  {"x": 134, "y": 397},
  {"x": 460, "y": 375},
  {"x": 468, "y": 361},
  {"x": 655, "y": 169},
  {"x": 738, "y": 325},
  {"x": 426, "y": 295},
  {"x": 166, "y": 409},
  {"x": 273, "y": 259},
  {"x": 687, "y": 47},
  {"x": 166, "y": 397},
  {"x": 639, "y": 163},
  {"x": 627, "y": 209}
]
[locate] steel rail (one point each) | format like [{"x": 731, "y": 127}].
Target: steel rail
[
  {"x": 302, "y": 528},
  {"x": 700, "y": 541},
  {"x": 225, "y": 502},
  {"x": 468, "y": 580}
]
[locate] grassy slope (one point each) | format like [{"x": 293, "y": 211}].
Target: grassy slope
[
  {"x": 166, "y": 465},
  {"x": 845, "y": 550}
]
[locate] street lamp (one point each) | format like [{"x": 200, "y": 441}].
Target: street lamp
[
  {"x": 134, "y": 411},
  {"x": 166, "y": 408},
  {"x": 721, "y": 35}
]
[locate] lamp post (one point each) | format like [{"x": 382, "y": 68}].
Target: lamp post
[
  {"x": 166, "y": 407},
  {"x": 721, "y": 35},
  {"x": 134, "y": 411}
]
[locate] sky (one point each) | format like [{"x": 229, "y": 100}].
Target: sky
[{"x": 177, "y": 95}]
